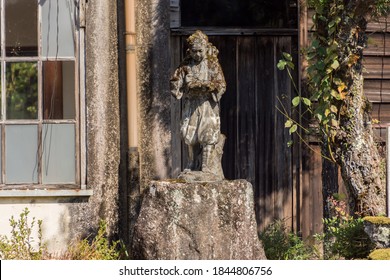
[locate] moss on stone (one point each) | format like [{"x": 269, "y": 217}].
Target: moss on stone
[
  {"x": 380, "y": 254},
  {"x": 174, "y": 180},
  {"x": 377, "y": 220}
]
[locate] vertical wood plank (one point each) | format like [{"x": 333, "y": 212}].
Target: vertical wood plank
[
  {"x": 283, "y": 153},
  {"x": 311, "y": 212},
  {"x": 246, "y": 149},
  {"x": 265, "y": 92},
  {"x": 227, "y": 58}
]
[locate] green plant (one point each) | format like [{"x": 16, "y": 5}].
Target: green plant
[
  {"x": 281, "y": 244},
  {"x": 20, "y": 244},
  {"x": 97, "y": 248},
  {"x": 344, "y": 235}
]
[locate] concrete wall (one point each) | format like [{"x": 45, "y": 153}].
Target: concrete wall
[
  {"x": 67, "y": 218},
  {"x": 153, "y": 33}
]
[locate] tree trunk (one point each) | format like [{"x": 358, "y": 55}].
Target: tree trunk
[
  {"x": 355, "y": 148},
  {"x": 358, "y": 156}
]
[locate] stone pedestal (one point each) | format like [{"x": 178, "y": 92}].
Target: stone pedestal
[{"x": 197, "y": 221}]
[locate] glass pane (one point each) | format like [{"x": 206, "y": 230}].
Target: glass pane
[
  {"x": 58, "y": 90},
  {"x": 59, "y": 153},
  {"x": 22, "y": 90},
  {"x": 21, "y": 150},
  {"x": 239, "y": 13},
  {"x": 21, "y": 17},
  {"x": 58, "y": 25}
]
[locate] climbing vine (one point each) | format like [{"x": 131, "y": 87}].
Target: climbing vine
[
  {"x": 336, "y": 99},
  {"x": 331, "y": 56}
]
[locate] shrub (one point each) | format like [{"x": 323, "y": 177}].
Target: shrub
[
  {"x": 97, "y": 248},
  {"x": 20, "y": 244},
  {"x": 281, "y": 244},
  {"x": 344, "y": 235}
]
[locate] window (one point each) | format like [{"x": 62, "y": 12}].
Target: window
[
  {"x": 40, "y": 93},
  {"x": 239, "y": 13}
]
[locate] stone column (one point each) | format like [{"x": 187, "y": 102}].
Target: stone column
[
  {"x": 153, "y": 32},
  {"x": 103, "y": 121}
]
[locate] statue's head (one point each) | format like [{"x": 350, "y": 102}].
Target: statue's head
[{"x": 197, "y": 45}]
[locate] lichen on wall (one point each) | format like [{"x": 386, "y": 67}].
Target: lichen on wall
[
  {"x": 152, "y": 21},
  {"x": 103, "y": 121}
]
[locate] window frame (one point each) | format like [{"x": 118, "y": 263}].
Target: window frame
[{"x": 78, "y": 188}]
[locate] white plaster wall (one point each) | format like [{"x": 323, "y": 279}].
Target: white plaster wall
[{"x": 55, "y": 219}]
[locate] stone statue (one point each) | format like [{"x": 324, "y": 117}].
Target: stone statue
[{"x": 200, "y": 82}]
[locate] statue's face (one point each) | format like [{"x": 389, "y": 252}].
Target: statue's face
[{"x": 198, "y": 52}]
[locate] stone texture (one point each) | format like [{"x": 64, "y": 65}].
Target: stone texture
[
  {"x": 200, "y": 83},
  {"x": 153, "y": 64},
  {"x": 197, "y": 221},
  {"x": 379, "y": 233},
  {"x": 103, "y": 123}
]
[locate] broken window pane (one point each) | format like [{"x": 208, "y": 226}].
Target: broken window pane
[
  {"x": 58, "y": 90},
  {"x": 21, "y": 28},
  {"x": 58, "y": 154},
  {"x": 21, "y": 150},
  {"x": 22, "y": 90},
  {"x": 58, "y": 27}
]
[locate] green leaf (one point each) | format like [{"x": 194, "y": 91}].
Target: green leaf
[
  {"x": 329, "y": 70},
  {"x": 291, "y": 65},
  {"x": 332, "y": 47},
  {"x": 288, "y": 123},
  {"x": 320, "y": 65},
  {"x": 335, "y": 65},
  {"x": 287, "y": 56},
  {"x": 315, "y": 43},
  {"x": 337, "y": 81},
  {"x": 290, "y": 143},
  {"x": 334, "y": 109},
  {"x": 335, "y": 94},
  {"x": 282, "y": 64},
  {"x": 319, "y": 117},
  {"x": 306, "y": 101},
  {"x": 332, "y": 30},
  {"x": 296, "y": 100},
  {"x": 293, "y": 129}
]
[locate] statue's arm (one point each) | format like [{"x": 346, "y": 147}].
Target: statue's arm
[
  {"x": 218, "y": 83},
  {"x": 177, "y": 82}
]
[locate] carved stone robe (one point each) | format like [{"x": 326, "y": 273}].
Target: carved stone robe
[{"x": 200, "y": 117}]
